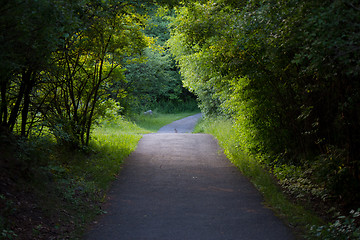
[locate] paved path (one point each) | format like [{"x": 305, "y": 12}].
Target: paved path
[
  {"x": 185, "y": 125},
  {"x": 181, "y": 187}
]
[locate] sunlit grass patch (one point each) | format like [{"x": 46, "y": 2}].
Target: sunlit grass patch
[{"x": 112, "y": 142}]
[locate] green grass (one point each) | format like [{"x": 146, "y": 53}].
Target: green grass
[
  {"x": 155, "y": 121},
  {"x": 294, "y": 214},
  {"x": 112, "y": 142},
  {"x": 80, "y": 178}
]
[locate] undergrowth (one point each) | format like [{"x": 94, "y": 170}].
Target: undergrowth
[{"x": 344, "y": 228}]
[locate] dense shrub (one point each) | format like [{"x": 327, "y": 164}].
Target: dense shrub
[{"x": 287, "y": 73}]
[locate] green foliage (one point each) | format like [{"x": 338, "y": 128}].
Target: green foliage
[
  {"x": 300, "y": 183},
  {"x": 33, "y": 30},
  {"x": 59, "y": 59},
  {"x": 285, "y": 73},
  {"x": 63, "y": 61},
  {"x": 343, "y": 228},
  {"x": 156, "y": 80},
  {"x": 185, "y": 105},
  {"x": 7, "y": 209},
  {"x": 91, "y": 62}
]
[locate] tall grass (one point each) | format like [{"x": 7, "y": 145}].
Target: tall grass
[
  {"x": 222, "y": 130},
  {"x": 111, "y": 142}
]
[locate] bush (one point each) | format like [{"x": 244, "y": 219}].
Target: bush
[
  {"x": 330, "y": 169},
  {"x": 344, "y": 228}
]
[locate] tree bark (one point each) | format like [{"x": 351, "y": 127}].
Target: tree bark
[{"x": 25, "y": 109}]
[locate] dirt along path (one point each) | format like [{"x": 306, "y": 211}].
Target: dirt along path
[{"x": 178, "y": 186}]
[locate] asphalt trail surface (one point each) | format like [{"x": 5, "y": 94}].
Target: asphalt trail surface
[
  {"x": 178, "y": 186},
  {"x": 185, "y": 125}
]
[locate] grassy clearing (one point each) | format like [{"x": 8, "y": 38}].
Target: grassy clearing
[
  {"x": 155, "y": 121},
  {"x": 295, "y": 215}
]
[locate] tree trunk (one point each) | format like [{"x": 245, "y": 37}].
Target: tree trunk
[
  {"x": 15, "y": 111},
  {"x": 3, "y": 108},
  {"x": 96, "y": 90},
  {"x": 25, "y": 110}
]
